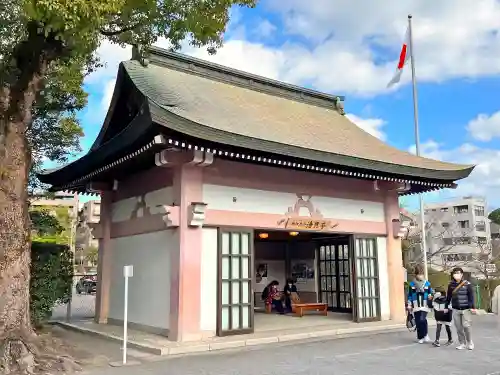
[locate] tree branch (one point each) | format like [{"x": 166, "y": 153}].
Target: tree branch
[{"x": 120, "y": 31}]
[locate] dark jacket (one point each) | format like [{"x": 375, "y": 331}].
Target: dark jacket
[
  {"x": 461, "y": 298},
  {"x": 439, "y": 305},
  {"x": 289, "y": 289}
]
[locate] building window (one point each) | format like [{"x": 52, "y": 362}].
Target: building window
[
  {"x": 79, "y": 262},
  {"x": 463, "y": 241},
  {"x": 461, "y": 257},
  {"x": 448, "y": 241},
  {"x": 464, "y": 224},
  {"x": 481, "y": 226},
  {"x": 457, "y": 241},
  {"x": 444, "y": 209},
  {"x": 479, "y": 210},
  {"x": 461, "y": 209},
  {"x": 482, "y": 240},
  {"x": 445, "y": 225}
]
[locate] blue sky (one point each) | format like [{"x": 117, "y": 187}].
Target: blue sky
[{"x": 350, "y": 48}]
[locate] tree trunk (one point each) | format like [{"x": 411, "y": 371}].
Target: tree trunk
[
  {"x": 21, "y": 351},
  {"x": 15, "y": 325}
]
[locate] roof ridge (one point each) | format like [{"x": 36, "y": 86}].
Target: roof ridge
[{"x": 218, "y": 72}]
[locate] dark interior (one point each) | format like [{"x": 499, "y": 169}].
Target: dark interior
[{"x": 325, "y": 257}]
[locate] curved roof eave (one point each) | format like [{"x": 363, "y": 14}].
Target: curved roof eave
[
  {"x": 120, "y": 76},
  {"x": 128, "y": 137},
  {"x": 204, "y": 105},
  {"x": 164, "y": 117}
]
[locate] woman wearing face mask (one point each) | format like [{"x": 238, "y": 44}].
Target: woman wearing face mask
[
  {"x": 419, "y": 296},
  {"x": 461, "y": 297}
]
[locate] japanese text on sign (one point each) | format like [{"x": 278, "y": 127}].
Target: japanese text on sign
[{"x": 308, "y": 224}]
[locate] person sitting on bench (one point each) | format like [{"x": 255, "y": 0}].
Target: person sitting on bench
[
  {"x": 291, "y": 294},
  {"x": 272, "y": 296}
]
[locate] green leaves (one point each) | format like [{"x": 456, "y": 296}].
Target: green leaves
[
  {"x": 55, "y": 131},
  {"x": 494, "y": 216},
  {"x": 51, "y": 279},
  {"x": 80, "y": 25},
  {"x": 44, "y": 223}
]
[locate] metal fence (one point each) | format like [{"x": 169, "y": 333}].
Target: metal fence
[{"x": 82, "y": 303}]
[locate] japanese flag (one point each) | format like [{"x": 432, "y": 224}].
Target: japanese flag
[{"x": 404, "y": 57}]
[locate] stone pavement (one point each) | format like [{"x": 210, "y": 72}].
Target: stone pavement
[
  {"x": 159, "y": 345},
  {"x": 392, "y": 353}
]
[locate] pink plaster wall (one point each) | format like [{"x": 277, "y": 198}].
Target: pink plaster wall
[
  {"x": 187, "y": 182},
  {"x": 144, "y": 182},
  {"x": 222, "y": 218},
  {"x": 251, "y": 176},
  {"x": 242, "y": 175},
  {"x": 185, "y": 260}
]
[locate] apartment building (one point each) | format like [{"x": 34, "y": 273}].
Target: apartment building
[
  {"x": 89, "y": 214},
  {"x": 458, "y": 234}
]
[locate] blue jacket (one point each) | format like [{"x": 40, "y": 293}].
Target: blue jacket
[{"x": 419, "y": 299}]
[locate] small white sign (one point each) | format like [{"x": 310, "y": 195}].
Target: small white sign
[
  {"x": 491, "y": 268},
  {"x": 128, "y": 271}
]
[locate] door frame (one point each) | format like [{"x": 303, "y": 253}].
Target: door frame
[
  {"x": 335, "y": 241},
  {"x": 250, "y": 231},
  {"x": 354, "y": 280}
]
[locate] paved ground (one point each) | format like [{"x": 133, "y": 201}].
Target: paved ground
[
  {"x": 82, "y": 307},
  {"x": 394, "y": 353},
  {"x": 94, "y": 352}
]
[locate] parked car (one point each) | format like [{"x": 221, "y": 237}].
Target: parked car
[{"x": 87, "y": 285}]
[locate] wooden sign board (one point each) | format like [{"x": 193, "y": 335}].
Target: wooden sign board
[{"x": 309, "y": 224}]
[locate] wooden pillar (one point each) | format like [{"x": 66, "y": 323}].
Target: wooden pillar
[
  {"x": 394, "y": 259},
  {"x": 185, "y": 259},
  {"x": 104, "y": 259}
]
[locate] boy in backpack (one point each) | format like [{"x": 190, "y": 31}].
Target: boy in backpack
[
  {"x": 419, "y": 298},
  {"x": 443, "y": 317}
]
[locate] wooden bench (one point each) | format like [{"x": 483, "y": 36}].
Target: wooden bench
[{"x": 299, "y": 308}]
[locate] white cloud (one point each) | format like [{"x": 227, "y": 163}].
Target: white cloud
[
  {"x": 265, "y": 29},
  {"x": 465, "y": 34},
  {"x": 369, "y": 125},
  {"x": 484, "y": 127},
  {"x": 111, "y": 55},
  {"x": 351, "y": 47},
  {"x": 107, "y": 94},
  {"x": 484, "y": 180},
  {"x": 346, "y": 39}
]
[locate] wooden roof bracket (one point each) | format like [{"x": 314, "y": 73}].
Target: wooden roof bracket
[
  {"x": 403, "y": 187},
  {"x": 339, "y": 105},
  {"x": 168, "y": 158}
]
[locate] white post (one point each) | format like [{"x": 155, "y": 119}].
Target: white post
[
  {"x": 417, "y": 144},
  {"x": 128, "y": 272}
]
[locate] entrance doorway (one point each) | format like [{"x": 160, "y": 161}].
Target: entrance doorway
[
  {"x": 334, "y": 265},
  {"x": 339, "y": 270}
]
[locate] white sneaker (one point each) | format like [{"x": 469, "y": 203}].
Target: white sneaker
[
  {"x": 470, "y": 346},
  {"x": 421, "y": 341},
  {"x": 427, "y": 339},
  {"x": 461, "y": 347}
]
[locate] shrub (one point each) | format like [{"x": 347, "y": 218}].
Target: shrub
[
  {"x": 485, "y": 290},
  {"x": 51, "y": 279}
]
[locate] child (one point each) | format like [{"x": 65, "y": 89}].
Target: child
[
  {"x": 443, "y": 317},
  {"x": 419, "y": 297}
]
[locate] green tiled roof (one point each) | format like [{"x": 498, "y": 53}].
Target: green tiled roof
[{"x": 213, "y": 103}]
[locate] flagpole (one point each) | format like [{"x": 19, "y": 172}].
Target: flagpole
[{"x": 417, "y": 144}]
